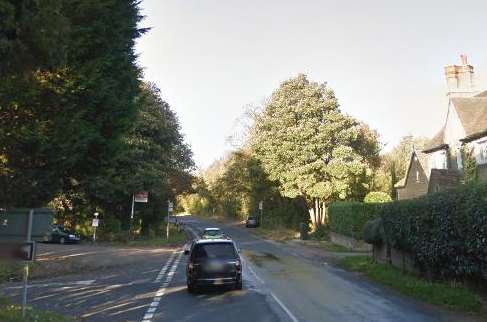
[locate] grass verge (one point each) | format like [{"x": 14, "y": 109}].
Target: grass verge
[
  {"x": 13, "y": 313},
  {"x": 459, "y": 299},
  {"x": 176, "y": 236},
  {"x": 330, "y": 247},
  {"x": 277, "y": 233}
]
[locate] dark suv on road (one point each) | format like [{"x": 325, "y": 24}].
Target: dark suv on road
[{"x": 213, "y": 262}]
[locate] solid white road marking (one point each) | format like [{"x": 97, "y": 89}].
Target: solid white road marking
[
  {"x": 278, "y": 301},
  {"x": 149, "y": 314},
  {"x": 253, "y": 272},
  {"x": 291, "y": 316}
]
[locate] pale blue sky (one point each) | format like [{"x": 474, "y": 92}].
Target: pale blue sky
[{"x": 383, "y": 58}]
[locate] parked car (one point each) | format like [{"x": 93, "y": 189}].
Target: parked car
[
  {"x": 252, "y": 221},
  {"x": 61, "y": 235},
  {"x": 212, "y": 233},
  {"x": 213, "y": 262}
]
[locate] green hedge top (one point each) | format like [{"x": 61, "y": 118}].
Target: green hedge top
[
  {"x": 349, "y": 218},
  {"x": 446, "y": 232}
]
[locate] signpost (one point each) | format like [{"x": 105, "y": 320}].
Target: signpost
[
  {"x": 18, "y": 230},
  {"x": 170, "y": 208},
  {"x": 142, "y": 196},
  {"x": 94, "y": 224}
]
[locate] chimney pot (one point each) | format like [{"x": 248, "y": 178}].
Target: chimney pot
[{"x": 464, "y": 59}]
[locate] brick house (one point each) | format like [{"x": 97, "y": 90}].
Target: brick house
[{"x": 440, "y": 166}]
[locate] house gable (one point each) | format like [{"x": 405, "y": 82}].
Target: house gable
[{"x": 415, "y": 183}]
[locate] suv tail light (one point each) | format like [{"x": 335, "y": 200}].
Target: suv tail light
[{"x": 238, "y": 266}]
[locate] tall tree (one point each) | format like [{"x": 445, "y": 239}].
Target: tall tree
[
  {"x": 313, "y": 150},
  {"x": 155, "y": 158},
  {"x": 65, "y": 107}
]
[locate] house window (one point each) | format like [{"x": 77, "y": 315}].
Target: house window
[
  {"x": 481, "y": 152},
  {"x": 459, "y": 158},
  {"x": 438, "y": 160},
  {"x": 417, "y": 176},
  {"x": 437, "y": 187}
]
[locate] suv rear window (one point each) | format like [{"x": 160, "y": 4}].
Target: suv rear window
[
  {"x": 212, "y": 233},
  {"x": 213, "y": 251}
]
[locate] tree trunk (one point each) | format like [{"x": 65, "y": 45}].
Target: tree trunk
[{"x": 313, "y": 213}]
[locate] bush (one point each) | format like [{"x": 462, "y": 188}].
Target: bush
[
  {"x": 445, "y": 232},
  {"x": 349, "y": 218},
  {"x": 374, "y": 232},
  {"x": 377, "y": 197}
]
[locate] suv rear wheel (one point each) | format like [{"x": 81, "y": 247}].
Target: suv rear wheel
[
  {"x": 191, "y": 288},
  {"x": 238, "y": 285}
]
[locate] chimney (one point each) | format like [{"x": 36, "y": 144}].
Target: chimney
[{"x": 459, "y": 79}]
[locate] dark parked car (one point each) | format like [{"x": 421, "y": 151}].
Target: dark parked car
[
  {"x": 252, "y": 221},
  {"x": 61, "y": 235},
  {"x": 213, "y": 262}
]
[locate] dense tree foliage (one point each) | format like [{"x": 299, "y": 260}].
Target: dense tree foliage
[
  {"x": 77, "y": 127},
  {"x": 234, "y": 187},
  {"x": 313, "y": 150}
]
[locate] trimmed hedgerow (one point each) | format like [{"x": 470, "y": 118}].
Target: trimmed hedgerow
[
  {"x": 349, "y": 218},
  {"x": 445, "y": 232}
]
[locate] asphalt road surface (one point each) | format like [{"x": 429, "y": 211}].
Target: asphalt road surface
[{"x": 281, "y": 283}]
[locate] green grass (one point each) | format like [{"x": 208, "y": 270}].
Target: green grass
[
  {"x": 329, "y": 246},
  {"x": 175, "y": 237},
  {"x": 458, "y": 298},
  {"x": 153, "y": 240},
  {"x": 13, "y": 313},
  {"x": 277, "y": 233},
  {"x": 9, "y": 271}
]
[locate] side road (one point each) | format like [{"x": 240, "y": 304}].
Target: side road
[
  {"x": 56, "y": 260},
  {"x": 93, "y": 283}
]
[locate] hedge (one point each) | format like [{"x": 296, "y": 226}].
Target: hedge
[
  {"x": 445, "y": 232},
  {"x": 349, "y": 218}
]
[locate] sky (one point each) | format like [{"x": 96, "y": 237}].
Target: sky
[{"x": 384, "y": 59}]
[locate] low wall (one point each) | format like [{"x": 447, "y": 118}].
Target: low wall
[
  {"x": 398, "y": 258},
  {"x": 350, "y": 243}
]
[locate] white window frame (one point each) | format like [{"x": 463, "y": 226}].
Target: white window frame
[
  {"x": 481, "y": 151},
  {"x": 459, "y": 158},
  {"x": 439, "y": 160}
]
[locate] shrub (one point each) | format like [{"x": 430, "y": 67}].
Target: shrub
[
  {"x": 374, "y": 232},
  {"x": 377, "y": 197},
  {"x": 349, "y": 218},
  {"x": 445, "y": 232}
]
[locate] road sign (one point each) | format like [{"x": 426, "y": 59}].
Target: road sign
[
  {"x": 14, "y": 222},
  {"x": 170, "y": 206},
  {"x": 95, "y": 222},
  {"x": 24, "y": 251},
  {"x": 261, "y": 205},
  {"x": 142, "y": 196}
]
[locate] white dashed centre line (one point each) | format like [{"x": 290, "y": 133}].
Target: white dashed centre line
[{"x": 149, "y": 314}]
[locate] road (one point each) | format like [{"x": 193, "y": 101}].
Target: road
[{"x": 282, "y": 282}]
